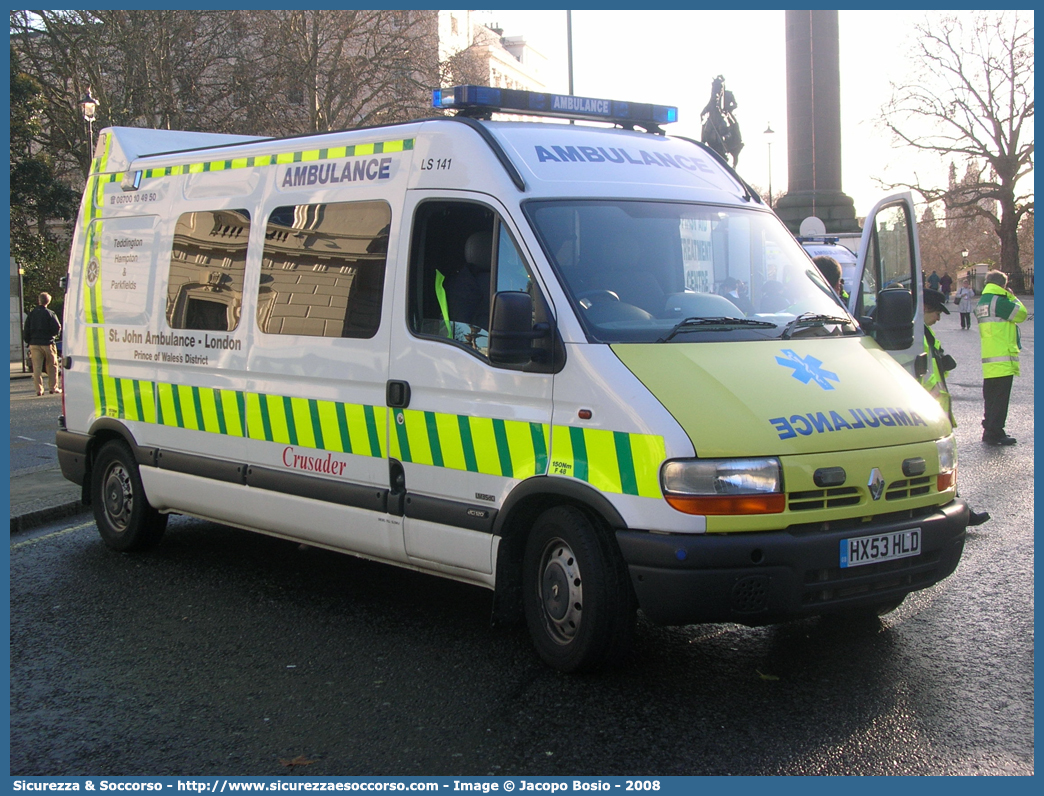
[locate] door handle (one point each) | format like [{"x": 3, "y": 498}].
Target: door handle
[{"x": 398, "y": 394}]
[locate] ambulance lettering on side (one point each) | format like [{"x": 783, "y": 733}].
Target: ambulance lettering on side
[{"x": 583, "y": 367}]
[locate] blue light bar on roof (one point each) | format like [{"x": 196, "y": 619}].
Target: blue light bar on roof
[{"x": 485, "y": 99}]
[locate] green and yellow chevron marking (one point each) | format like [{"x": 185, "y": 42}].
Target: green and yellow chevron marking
[
  {"x": 126, "y": 399},
  {"x": 510, "y": 448},
  {"x": 104, "y": 389},
  {"x": 284, "y": 158},
  {"x": 611, "y": 461}
]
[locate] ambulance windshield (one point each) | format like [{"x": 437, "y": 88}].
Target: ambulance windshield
[{"x": 636, "y": 270}]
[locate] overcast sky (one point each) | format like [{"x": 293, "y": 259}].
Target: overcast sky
[{"x": 670, "y": 57}]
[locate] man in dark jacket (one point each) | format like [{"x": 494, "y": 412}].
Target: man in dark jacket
[{"x": 42, "y": 328}]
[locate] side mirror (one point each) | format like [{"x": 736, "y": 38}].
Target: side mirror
[
  {"x": 512, "y": 332},
  {"x": 894, "y": 319}
]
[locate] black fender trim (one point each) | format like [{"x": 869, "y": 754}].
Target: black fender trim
[
  {"x": 574, "y": 491},
  {"x": 521, "y": 508},
  {"x": 229, "y": 472}
]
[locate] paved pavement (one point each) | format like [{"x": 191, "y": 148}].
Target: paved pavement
[{"x": 42, "y": 496}]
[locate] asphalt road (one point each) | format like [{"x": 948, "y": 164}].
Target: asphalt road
[
  {"x": 224, "y": 652},
  {"x": 34, "y": 421}
]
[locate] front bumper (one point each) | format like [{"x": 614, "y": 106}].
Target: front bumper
[{"x": 766, "y": 577}]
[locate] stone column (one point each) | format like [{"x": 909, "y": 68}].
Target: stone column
[{"x": 814, "y": 124}]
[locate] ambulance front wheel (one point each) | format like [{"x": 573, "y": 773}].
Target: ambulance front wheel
[
  {"x": 579, "y": 605},
  {"x": 125, "y": 519}
]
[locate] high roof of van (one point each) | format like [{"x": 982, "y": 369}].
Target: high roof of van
[{"x": 540, "y": 158}]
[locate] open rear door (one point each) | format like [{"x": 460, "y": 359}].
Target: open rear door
[{"x": 889, "y": 257}]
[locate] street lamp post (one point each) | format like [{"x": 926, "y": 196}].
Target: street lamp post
[
  {"x": 769, "y": 132},
  {"x": 90, "y": 108}
]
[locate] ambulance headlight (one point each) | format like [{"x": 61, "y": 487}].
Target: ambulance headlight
[
  {"x": 724, "y": 486},
  {"x": 947, "y": 448}
]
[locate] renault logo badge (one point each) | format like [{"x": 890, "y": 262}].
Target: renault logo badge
[{"x": 876, "y": 484}]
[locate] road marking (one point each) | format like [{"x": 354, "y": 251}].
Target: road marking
[
  {"x": 54, "y": 535},
  {"x": 28, "y": 439}
]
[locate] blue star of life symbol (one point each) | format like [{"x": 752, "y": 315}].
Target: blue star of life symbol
[{"x": 807, "y": 369}]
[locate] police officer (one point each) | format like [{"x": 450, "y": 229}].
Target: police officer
[
  {"x": 998, "y": 313},
  {"x": 939, "y": 362}
]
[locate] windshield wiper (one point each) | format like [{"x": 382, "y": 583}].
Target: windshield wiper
[
  {"x": 812, "y": 319},
  {"x": 717, "y": 323}
]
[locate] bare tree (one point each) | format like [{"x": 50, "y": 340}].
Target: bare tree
[
  {"x": 336, "y": 69},
  {"x": 970, "y": 96},
  {"x": 160, "y": 69},
  {"x": 275, "y": 73}
]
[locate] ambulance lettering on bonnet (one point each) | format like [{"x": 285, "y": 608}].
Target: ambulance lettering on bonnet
[{"x": 585, "y": 367}]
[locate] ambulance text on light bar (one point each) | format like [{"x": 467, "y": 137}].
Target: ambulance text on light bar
[{"x": 485, "y": 99}]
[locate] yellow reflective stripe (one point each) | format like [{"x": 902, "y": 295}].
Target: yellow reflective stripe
[
  {"x": 330, "y": 428},
  {"x": 603, "y": 469},
  {"x": 561, "y": 451},
  {"x": 235, "y": 424},
  {"x": 487, "y": 459},
  {"x": 282, "y": 158},
  {"x": 301, "y": 415},
  {"x": 208, "y": 404},
  {"x": 277, "y": 418},
  {"x": 417, "y": 434},
  {"x": 359, "y": 431},
  {"x": 147, "y": 393},
  {"x": 167, "y": 415},
  {"x": 648, "y": 453},
  {"x": 520, "y": 448},
  {"x": 450, "y": 442},
  {"x": 255, "y": 427},
  {"x": 186, "y": 403}
]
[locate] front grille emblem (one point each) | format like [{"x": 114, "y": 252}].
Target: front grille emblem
[{"x": 876, "y": 484}]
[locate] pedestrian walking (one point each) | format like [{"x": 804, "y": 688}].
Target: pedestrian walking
[
  {"x": 945, "y": 283},
  {"x": 41, "y": 330},
  {"x": 933, "y": 281},
  {"x": 965, "y": 301},
  {"x": 998, "y": 313}
]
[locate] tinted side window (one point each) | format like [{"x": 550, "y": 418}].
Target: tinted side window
[
  {"x": 322, "y": 272},
  {"x": 205, "y": 283},
  {"x": 462, "y": 254},
  {"x": 450, "y": 272}
]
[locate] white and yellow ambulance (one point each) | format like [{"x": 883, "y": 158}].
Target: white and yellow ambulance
[{"x": 501, "y": 352}]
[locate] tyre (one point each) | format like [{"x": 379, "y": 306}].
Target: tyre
[
  {"x": 125, "y": 519},
  {"x": 579, "y": 604}
]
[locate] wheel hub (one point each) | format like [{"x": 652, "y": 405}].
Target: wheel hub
[
  {"x": 119, "y": 499},
  {"x": 561, "y": 592}
]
